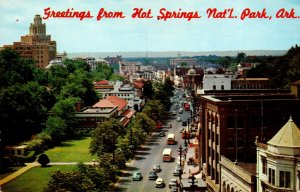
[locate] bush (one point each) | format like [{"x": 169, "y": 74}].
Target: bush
[
  {"x": 43, "y": 160},
  {"x": 28, "y": 158}
]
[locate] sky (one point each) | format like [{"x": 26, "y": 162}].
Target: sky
[{"x": 129, "y": 34}]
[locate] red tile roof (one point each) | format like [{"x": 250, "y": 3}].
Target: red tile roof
[
  {"x": 128, "y": 113},
  {"x": 121, "y": 103},
  {"x": 138, "y": 84},
  {"x": 104, "y": 103},
  {"x": 102, "y": 82}
]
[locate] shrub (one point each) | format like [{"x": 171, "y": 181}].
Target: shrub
[{"x": 43, "y": 160}]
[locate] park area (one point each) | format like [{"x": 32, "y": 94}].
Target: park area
[{"x": 37, "y": 178}]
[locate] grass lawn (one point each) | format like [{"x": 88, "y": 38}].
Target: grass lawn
[
  {"x": 71, "y": 151},
  {"x": 34, "y": 179}
]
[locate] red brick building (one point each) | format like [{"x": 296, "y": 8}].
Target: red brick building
[{"x": 230, "y": 122}]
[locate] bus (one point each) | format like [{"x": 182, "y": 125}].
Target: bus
[
  {"x": 171, "y": 139},
  {"x": 186, "y": 106},
  {"x": 167, "y": 154}
]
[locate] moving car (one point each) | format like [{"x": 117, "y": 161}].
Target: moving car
[
  {"x": 157, "y": 168},
  {"x": 137, "y": 176},
  {"x": 159, "y": 182},
  {"x": 173, "y": 183},
  {"x": 179, "y": 119},
  {"x": 152, "y": 175}
]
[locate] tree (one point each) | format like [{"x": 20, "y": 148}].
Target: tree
[
  {"x": 240, "y": 57},
  {"x": 143, "y": 121},
  {"x": 148, "y": 89},
  {"x": 70, "y": 181},
  {"x": 43, "y": 160},
  {"x": 105, "y": 138},
  {"x": 57, "y": 128},
  {"x": 14, "y": 69},
  {"x": 155, "y": 110},
  {"x": 224, "y": 61}
]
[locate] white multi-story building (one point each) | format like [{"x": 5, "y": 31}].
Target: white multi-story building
[
  {"x": 217, "y": 81},
  {"x": 129, "y": 68},
  {"x": 188, "y": 61},
  {"x": 278, "y": 161},
  {"x": 126, "y": 92}
]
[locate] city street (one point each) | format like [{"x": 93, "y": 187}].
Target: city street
[{"x": 150, "y": 154}]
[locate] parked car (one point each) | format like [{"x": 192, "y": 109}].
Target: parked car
[
  {"x": 183, "y": 123},
  {"x": 173, "y": 183},
  {"x": 174, "y": 113},
  {"x": 177, "y": 171},
  {"x": 137, "y": 176},
  {"x": 181, "y": 129},
  {"x": 159, "y": 183},
  {"x": 162, "y": 134},
  {"x": 179, "y": 119},
  {"x": 156, "y": 168},
  {"x": 174, "y": 189},
  {"x": 152, "y": 175}
]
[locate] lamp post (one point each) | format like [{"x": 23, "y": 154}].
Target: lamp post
[
  {"x": 188, "y": 127},
  {"x": 236, "y": 144},
  {"x": 180, "y": 154}
]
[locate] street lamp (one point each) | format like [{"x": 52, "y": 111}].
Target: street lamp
[
  {"x": 180, "y": 154},
  {"x": 188, "y": 127}
]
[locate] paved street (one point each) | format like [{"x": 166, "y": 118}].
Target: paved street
[{"x": 150, "y": 154}]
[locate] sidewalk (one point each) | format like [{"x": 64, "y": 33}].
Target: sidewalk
[
  {"x": 189, "y": 170},
  {"x": 18, "y": 173}
]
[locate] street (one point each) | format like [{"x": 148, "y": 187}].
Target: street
[{"x": 150, "y": 154}]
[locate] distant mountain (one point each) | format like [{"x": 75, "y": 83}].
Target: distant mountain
[{"x": 175, "y": 53}]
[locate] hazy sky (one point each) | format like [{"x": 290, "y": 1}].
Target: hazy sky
[{"x": 128, "y": 34}]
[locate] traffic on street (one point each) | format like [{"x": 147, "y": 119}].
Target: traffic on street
[{"x": 158, "y": 160}]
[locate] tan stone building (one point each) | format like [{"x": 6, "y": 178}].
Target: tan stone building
[
  {"x": 278, "y": 161},
  {"x": 36, "y": 45}
]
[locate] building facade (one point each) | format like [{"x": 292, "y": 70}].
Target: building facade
[
  {"x": 278, "y": 161},
  {"x": 230, "y": 123},
  {"x": 36, "y": 45}
]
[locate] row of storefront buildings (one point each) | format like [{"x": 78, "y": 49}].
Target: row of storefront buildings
[{"x": 249, "y": 139}]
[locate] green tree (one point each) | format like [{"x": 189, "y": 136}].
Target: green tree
[
  {"x": 143, "y": 121},
  {"x": 240, "y": 57},
  {"x": 57, "y": 128},
  {"x": 148, "y": 90},
  {"x": 155, "y": 110},
  {"x": 224, "y": 61},
  {"x": 57, "y": 77},
  {"x": 105, "y": 138},
  {"x": 14, "y": 69},
  {"x": 70, "y": 181}
]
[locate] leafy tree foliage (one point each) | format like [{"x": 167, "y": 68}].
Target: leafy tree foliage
[
  {"x": 57, "y": 128},
  {"x": 103, "y": 71},
  {"x": 105, "y": 137},
  {"x": 144, "y": 122},
  {"x": 148, "y": 90},
  {"x": 155, "y": 110},
  {"x": 57, "y": 77},
  {"x": 43, "y": 160},
  {"x": 84, "y": 178},
  {"x": 14, "y": 69},
  {"x": 73, "y": 65}
]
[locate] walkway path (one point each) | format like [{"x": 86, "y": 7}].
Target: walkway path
[{"x": 31, "y": 165}]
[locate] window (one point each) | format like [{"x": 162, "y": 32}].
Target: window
[
  {"x": 230, "y": 141},
  {"x": 264, "y": 165},
  {"x": 271, "y": 176},
  {"x": 222, "y": 87},
  {"x": 214, "y": 87},
  {"x": 230, "y": 122},
  {"x": 284, "y": 179}
]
